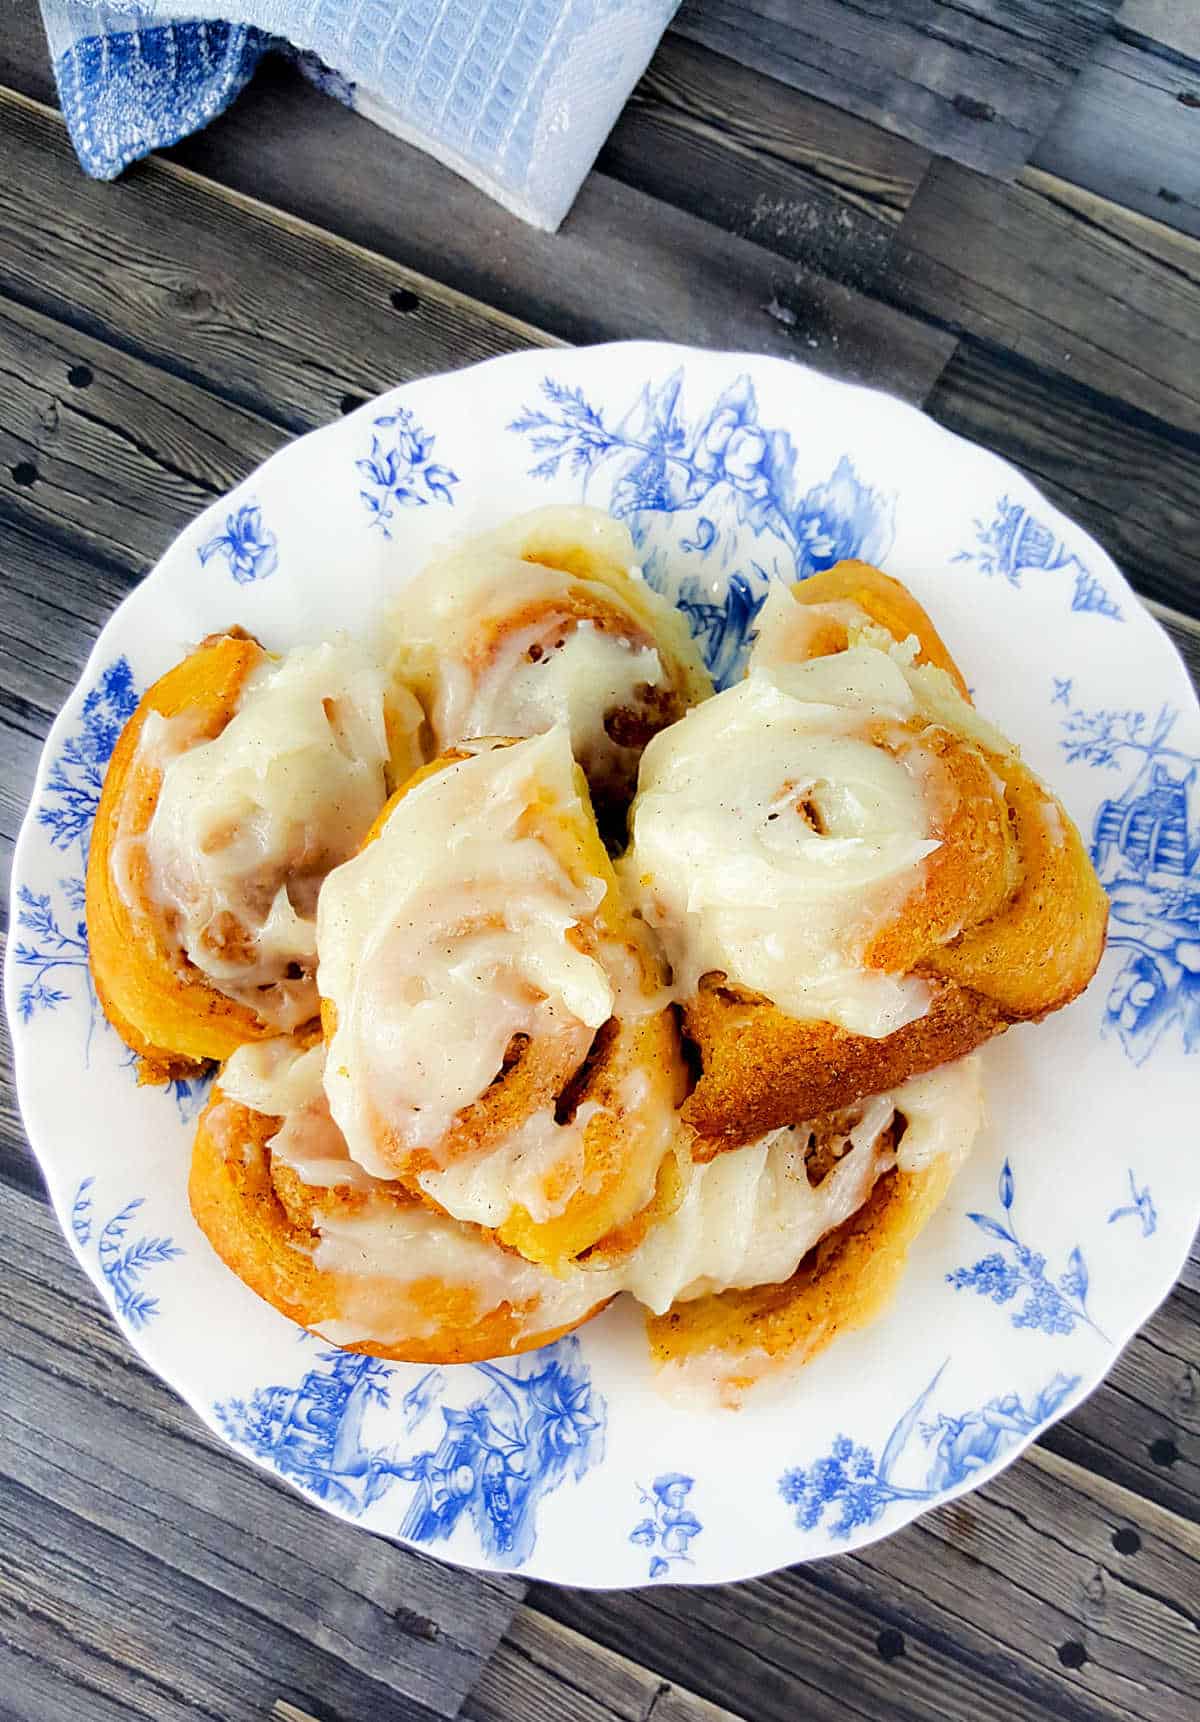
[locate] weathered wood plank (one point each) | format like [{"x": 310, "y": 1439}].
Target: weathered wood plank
[
  {"x": 1129, "y": 479},
  {"x": 254, "y": 305},
  {"x": 1110, "y": 301},
  {"x": 625, "y": 264},
  {"x": 1035, "y": 1597},
  {"x": 102, "y": 446},
  {"x": 1168, "y": 23},
  {"x": 978, "y": 80},
  {"x": 765, "y": 161},
  {"x": 544, "y": 1672},
  {"x": 1130, "y": 130},
  {"x": 147, "y": 1566}
]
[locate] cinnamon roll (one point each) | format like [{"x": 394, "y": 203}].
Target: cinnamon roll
[
  {"x": 499, "y": 1036},
  {"x": 238, "y": 782},
  {"x": 547, "y": 621},
  {"x": 855, "y": 877}
]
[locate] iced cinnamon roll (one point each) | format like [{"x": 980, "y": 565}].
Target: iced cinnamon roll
[
  {"x": 547, "y": 621},
  {"x": 238, "y": 783},
  {"x": 499, "y": 1036},
  {"x": 853, "y": 874},
  {"x": 816, "y": 1233}
]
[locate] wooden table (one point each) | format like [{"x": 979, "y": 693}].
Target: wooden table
[{"x": 1008, "y": 235}]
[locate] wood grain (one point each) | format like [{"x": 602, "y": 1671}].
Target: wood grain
[
  {"x": 219, "y": 291},
  {"x": 1027, "y": 269},
  {"x": 765, "y": 161},
  {"x": 1166, "y": 23},
  {"x": 1130, "y": 129},
  {"x": 122, "y": 457},
  {"x": 148, "y": 1570},
  {"x": 1015, "y": 1602},
  {"x": 977, "y": 80},
  {"x": 544, "y": 1672}
]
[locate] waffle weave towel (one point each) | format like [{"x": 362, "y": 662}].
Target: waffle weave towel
[{"x": 517, "y": 95}]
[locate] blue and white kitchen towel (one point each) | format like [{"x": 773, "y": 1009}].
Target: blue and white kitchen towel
[{"x": 517, "y": 95}]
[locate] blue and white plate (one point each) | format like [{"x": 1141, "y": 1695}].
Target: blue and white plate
[{"x": 1058, "y": 1239}]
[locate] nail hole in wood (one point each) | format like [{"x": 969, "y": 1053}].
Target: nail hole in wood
[
  {"x": 351, "y": 403},
  {"x": 1164, "y": 1451},
  {"x": 971, "y": 108},
  {"x": 80, "y": 376},
  {"x": 24, "y": 472},
  {"x": 1072, "y": 1654},
  {"x": 890, "y": 1644},
  {"x": 1126, "y": 1541},
  {"x": 404, "y": 300}
]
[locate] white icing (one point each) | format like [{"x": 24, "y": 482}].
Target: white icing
[
  {"x": 381, "y": 1248},
  {"x": 384, "y": 1252},
  {"x": 499, "y": 674},
  {"x": 746, "y": 1218},
  {"x": 248, "y": 823},
  {"x": 277, "y": 1078},
  {"x": 750, "y": 1215},
  {"x": 485, "y": 1187},
  {"x": 771, "y": 836},
  {"x": 449, "y": 935}
]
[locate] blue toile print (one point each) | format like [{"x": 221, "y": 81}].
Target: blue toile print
[
  {"x": 709, "y": 490},
  {"x": 1014, "y": 543},
  {"x": 1146, "y": 849},
  {"x": 669, "y": 1525},
  {"x": 124, "y": 1263},
  {"x": 400, "y": 472},
  {"x": 247, "y": 547},
  {"x": 1050, "y": 1306},
  {"x": 512, "y": 1434},
  {"x": 1139, "y": 1207},
  {"x": 859, "y": 1488}
]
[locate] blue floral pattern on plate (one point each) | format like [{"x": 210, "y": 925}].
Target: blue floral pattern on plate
[
  {"x": 123, "y": 1265},
  {"x": 1014, "y": 543},
  {"x": 1146, "y": 849},
  {"x": 1050, "y": 1306},
  {"x": 712, "y": 473},
  {"x": 862, "y": 1488},
  {"x": 1140, "y": 1206},
  {"x": 537, "y": 1421},
  {"x": 670, "y": 1525},
  {"x": 248, "y": 548},
  {"x": 399, "y": 471}
]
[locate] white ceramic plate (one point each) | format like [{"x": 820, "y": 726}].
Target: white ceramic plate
[{"x": 1059, "y": 1238}]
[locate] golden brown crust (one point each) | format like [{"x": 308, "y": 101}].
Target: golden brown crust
[
  {"x": 846, "y": 1281},
  {"x": 763, "y": 1069},
  {"x": 160, "y": 1005},
  {"x": 258, "y": 1219}
]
